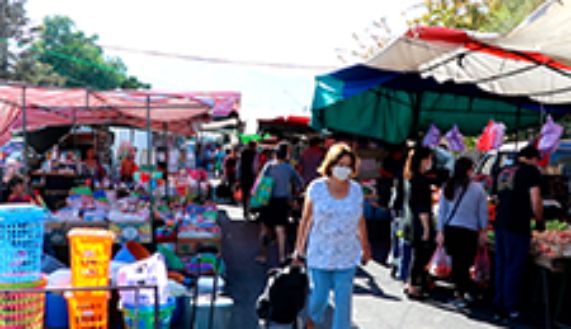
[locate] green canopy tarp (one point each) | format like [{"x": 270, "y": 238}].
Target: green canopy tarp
[{"x": 393, "y": 106}]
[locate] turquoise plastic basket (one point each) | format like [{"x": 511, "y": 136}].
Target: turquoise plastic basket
[{"x": 21, "y": 242}]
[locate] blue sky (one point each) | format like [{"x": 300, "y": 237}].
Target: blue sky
[{"x": 295, "y": 31}]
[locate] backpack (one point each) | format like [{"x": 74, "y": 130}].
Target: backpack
[{"x": 284, "y": 296}]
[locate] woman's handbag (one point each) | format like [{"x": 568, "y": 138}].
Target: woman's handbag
[{"x": 262, "y": 189}]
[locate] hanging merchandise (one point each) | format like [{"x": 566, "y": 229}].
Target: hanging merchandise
[
  {"x": 486, "y": 140},
  {"x": 432, "y": 137},
  {"x": 550, "y": 136},
  {"x": 500, "y": 129},
  {"x": 455, "y": 140},
  {"x": 492, "y": 137}
]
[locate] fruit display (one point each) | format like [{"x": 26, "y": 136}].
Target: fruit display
[{"x": 552, "y": 243}]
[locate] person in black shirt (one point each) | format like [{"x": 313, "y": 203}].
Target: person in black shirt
[
  {"x": 247, "y": 174},
  {"x": 420, "y": 204},
  {"x": 519, "y": 195}
]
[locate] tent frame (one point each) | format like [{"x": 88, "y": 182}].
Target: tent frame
[{"x": 148, "y": 107}]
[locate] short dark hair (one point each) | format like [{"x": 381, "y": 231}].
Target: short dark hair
[
  {"x": 282, "y": 150},
  {"x": 15, "y": 180},
  {"x": 334, "y": 155},
  {"x": 529, "y": 152},
  {"x": 415, "y": 157},
  {"x": 314, "y": 141}
]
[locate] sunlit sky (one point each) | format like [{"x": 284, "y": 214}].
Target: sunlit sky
[{"x": 294, "y": 31}]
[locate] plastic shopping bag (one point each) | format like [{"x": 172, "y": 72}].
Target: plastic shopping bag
[
  {"x": 480, "y": 271},
  {"x": 440, "y": 265}
]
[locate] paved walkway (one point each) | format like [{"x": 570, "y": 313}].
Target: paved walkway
[{"x": 378, "y": 299}]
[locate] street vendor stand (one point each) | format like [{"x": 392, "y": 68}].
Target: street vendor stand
[{"x": 26, "y": 108}]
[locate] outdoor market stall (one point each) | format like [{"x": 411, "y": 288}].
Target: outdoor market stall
[
  {"x": 434, "y": 79},
  {"x": 26, "y": 108}
]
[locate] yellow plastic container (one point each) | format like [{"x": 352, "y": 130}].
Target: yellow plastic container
[
  {"x": 88, "y": 312},
  {"x": 90, "y": 254}
]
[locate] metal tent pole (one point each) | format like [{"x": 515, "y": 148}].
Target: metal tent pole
[
  {"x": 149, "y": 160},
  {"x": 167, "y": 155},
  {"x": 25, "y": 130}
]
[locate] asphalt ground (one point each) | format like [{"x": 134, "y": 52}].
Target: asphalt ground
[{"x": 378, "y": 302}]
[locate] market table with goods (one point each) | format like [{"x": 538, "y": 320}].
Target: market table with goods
[{"x": 111, "y": 279}]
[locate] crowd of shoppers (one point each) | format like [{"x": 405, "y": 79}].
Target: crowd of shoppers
[{"x": 332, "y": 236}]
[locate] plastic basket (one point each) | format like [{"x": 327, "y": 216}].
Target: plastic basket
[
  {"x": 21, "y": 243},
  {"x": 22, "y": 310},
  {"x": 90, "y": 259},
  {"x": 88, "y": 312},
  {"x": 146, "y": 316}
]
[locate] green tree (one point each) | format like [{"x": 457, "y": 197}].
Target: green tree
[
  {"x": 483, "y": 15},
  {"x": 78, "y": 58},
  {"x": 12, "y": 23}
]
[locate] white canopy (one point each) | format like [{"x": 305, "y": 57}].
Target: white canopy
[{"x": 534, "y": 60}]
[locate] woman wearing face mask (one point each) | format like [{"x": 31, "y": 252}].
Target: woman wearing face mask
[
  {"x": 417, "y": 167},
  {"x": 333, "y": 230},
  {"x": 462, "y": 219}
]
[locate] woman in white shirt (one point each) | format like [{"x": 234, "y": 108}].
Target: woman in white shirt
[{"x": 333, "y": 233}]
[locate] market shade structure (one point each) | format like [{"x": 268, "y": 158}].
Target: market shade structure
[
  {"x": 176, "y": 112},
  {"x": 533, "y": 61},
  {"x": 292, "y": 124},
  {"x": 391, "y": 106}
]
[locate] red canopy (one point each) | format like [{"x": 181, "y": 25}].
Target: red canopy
[
  {"x": 291, "y": 120},
  {"x": 57, "y": 106}
]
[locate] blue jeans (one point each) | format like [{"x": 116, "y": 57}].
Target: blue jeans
[
  {"x": 322, "y": 282},
  {"x": 512, "y": 254}
]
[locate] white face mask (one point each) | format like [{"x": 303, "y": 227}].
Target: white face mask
[{"x": 341, "y": 173}]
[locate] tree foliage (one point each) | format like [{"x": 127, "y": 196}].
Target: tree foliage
[
  {"x": 78, "y": 58},
  {"x": 484, "y": 15},
  {"x": 478, "y": 15},
  {"x": 12, "y": 22},
  {"x": 56, "y": 53}
]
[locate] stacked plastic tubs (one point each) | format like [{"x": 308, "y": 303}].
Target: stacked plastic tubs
[
  {"x": 138, "y": 308},
  {"x": 21, "y": 245},
  {"x": 90, "y": 261}
]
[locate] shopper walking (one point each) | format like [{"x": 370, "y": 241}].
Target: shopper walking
[
  {"x": 247, "y": 173},
  {"x": 229, "y": 167},
  {"x": 333, "y": 230},
  {"x": 519, "y": 194},
  {"x": 420, "y": 205},
  {"x": 462, "y": 220},
  {"x": 310, "y": 159},
  {"x": 275, "y": 216}
]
